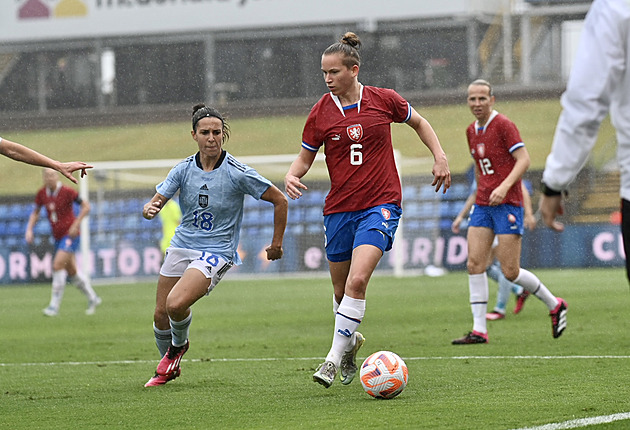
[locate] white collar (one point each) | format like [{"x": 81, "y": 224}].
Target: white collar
[
  {"x": 338, "y": 102},
  {"x": 55, "y": 191},
  {"x": 485, "y": 127}
]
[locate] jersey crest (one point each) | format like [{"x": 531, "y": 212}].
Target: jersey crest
[
  {"x": 481, "y": 150},
  {"x": 203, "y": 200},
  {"x": 355, "y": 132},
  {"x": 386, "y": 213}
]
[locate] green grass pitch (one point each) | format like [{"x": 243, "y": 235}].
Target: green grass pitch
[{"x": 256, "y": 343}]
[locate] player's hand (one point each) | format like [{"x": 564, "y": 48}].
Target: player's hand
[
  {"x": 497, "y": 196},
  {"x": 151, "y": 209},
  {"x": 550, "y": 208},
  {"x": 455, "y": 225},
  {"x": 292, "y": 186},
  {"x": 28, "y": 236},
  {"x": 274, "y": 252},
  {"x": 441, "y": 175},
  {"x": 66, "y": 169}
]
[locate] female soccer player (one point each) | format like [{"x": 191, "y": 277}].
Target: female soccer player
[
  {"x": 212, "y": 186},
  {"x": 501, "y": 159},
  {"x": 59, "y": 202},
  {"x": 363, "y": 206}
]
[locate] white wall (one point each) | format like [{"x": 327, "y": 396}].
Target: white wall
[{"x": 68, "y": 19}]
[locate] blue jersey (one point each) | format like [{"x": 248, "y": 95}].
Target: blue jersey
[{"x": 212, "y": 203}]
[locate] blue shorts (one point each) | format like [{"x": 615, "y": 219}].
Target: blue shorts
[
  {"x": 345, "y": 231},
  {"x": 67, "y": 244},
  {"x": 502, "y": 219}
]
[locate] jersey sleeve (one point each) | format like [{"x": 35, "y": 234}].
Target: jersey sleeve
[
  {"x": 312, "y": 138},
  {"x": 253, "y": 183},
  {"x": 512, "y": 137},
  {"x": 400, "y": 108},
  {"x": 171, "y": 184}
]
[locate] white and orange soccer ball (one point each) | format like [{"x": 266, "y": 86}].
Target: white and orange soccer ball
[{"x": 384, "y": 375}]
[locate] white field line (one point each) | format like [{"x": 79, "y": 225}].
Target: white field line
[
  {"x": 572, "y": 424},
  {"x": 227, "y": 360},
  {"x": 583, "y": 422}
]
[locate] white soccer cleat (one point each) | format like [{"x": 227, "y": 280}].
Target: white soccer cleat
[
  {"x": 325, "y": 374},
  {"x": 51, "y": 311},
  {"x": 348, "y": 365},
  {"x": 92, "y": 304}
]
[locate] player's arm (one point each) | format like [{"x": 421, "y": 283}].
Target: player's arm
[
  {"x": 529, "y": 220},
  {"x": 298, "y": 169},
  {"x": 280, "y": 209},
  {"x": 84, "y": 210},
  {"x": 154, "y": 206},
  {"x": 441, "y": 172},
  {"x": 520, "y": 167},
  {"x": 465, "y": 211},
  {"x": 32, "y": 220},
  {"x": 27, "y": 155}
]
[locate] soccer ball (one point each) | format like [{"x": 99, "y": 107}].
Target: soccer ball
[{"x": 384, "y": 375}]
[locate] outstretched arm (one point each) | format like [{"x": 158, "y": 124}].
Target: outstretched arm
[{"x": 26, "y": 155}]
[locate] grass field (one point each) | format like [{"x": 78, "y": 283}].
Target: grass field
[
  {"x": 255, "y": 345},
  {"x": 282, "y": 135}
]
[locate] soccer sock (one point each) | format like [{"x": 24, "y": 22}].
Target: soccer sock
[
  {"x": 494, "y": 272},
  {"x": 478, "y": 286},
  {"x": 531, "y": 283},
  {"x": 335, "y": 305},
  {"x": 349, "y": 315},
  {"x": 58, "y": 286},
  {"x": 179, "y": 330},
  {"x": 503, "y": 295},
  {"x": 163, "y": 339},
  {"x": 82, "y": 284}
]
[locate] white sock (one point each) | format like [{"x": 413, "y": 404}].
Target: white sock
[
  {"x": 531, "y": 283},
  {"x": 349, "y": 315},
  {"x": 82, "y": 284},
  {"x": 335, "y": 305},
  {"x": 478, "y": 287},
  {"x": 59, "y": 279},
  {"x": 163, "y": 339},
  {"x": 179, "y": 330}
]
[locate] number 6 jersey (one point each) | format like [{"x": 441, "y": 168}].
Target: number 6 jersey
[
  {"x": 212, "y": 203},
  {"x": 358, "y": 147},
  {"x": 491, "y": 147}
]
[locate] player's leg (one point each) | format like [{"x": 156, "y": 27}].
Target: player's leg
[
  {"x": 625, "y": 231},
  {"x": 479, "y": 248},
  {"x": 77, "y": 279},
  {"x": 509, "y": 254},
  {"x": 161, "y": 325},
  {"x": 59, "y": 279}
]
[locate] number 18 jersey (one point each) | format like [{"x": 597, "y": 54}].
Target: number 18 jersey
[
  {"x": 491, "y": 148},
  {"x": 212, "y": 203}
]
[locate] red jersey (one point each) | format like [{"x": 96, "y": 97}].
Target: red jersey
[
  {"x": 358, "y": 147},
  {"x": 59, "y": 206},
  {"x": 491, "y": 147}
]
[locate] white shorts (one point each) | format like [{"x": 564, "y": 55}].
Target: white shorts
[{"x": 178, "y": 260}]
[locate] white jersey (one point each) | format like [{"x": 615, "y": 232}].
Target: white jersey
[
  {"x": 212, "y": 203},
  {"x": 599, "y": 82}
]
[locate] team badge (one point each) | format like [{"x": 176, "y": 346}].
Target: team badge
[
  {"x": 355, "y": 132},
  {"x": 481, "y": 150},
  {"x": 511, "y": 219},
  {"x": 203, "y": 200},
  {"x": 386, "y": 213}
]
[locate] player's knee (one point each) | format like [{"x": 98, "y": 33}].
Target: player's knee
[{"x": 510, "y": 273}]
